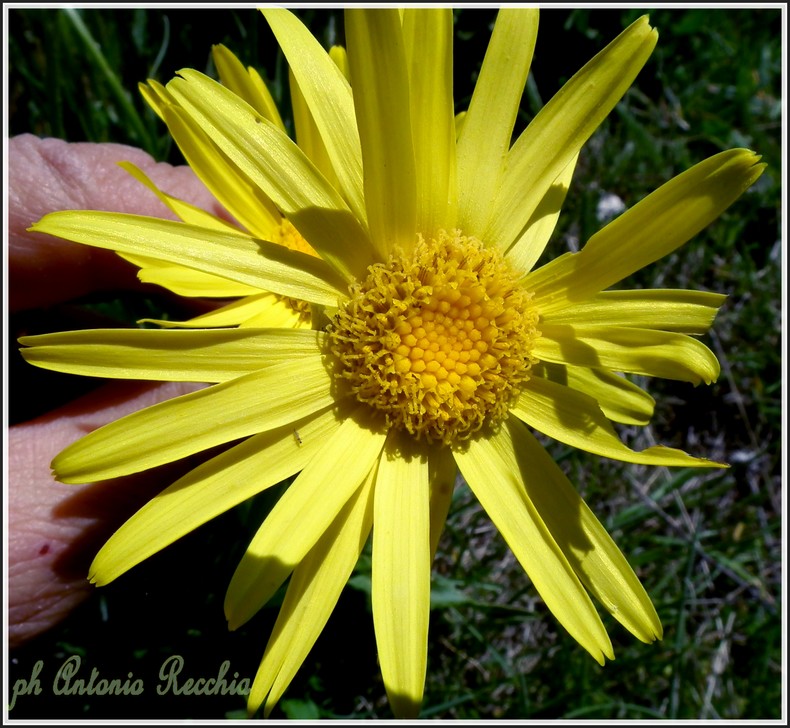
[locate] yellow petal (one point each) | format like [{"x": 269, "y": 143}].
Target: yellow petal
[
  {"x": 622, "y": 349},
  {"x": 307, "y": 135},
  {"x": 176, "y": 356},
  {"x": 246, "y": 83},
  {"x": 529, "y": 247},
  {"x": 187, "y": 281},
  {"x": 574, "y": 418},
  {"x": 428, "y": 39},
  {"x": 257, "y": 263},
  {"x": 557, "y": 133},
  {"x": 380, "y": 80},
  {"x": 263, "y": 311},
  {"x": 619, "y": 399},
  {"x": 491, "y": 468},
  {"x": 303, "y": 514},
  {"x": 186, "y": 212},
  {"x": 442, "y": 472},
  {"x": 212, "y": 488},
  {"x": 273, "y": 312},
  {"x": 340, "y": 57},
  {"x": 232, "y": 188},
  {"x": 280, "y": 169},
  {"x": 459, "y": 124},
  {"x": 156, "y": 96},
  {"x": 488, "y": 124},
  {"x": 685, "y": 312},
  {"x": 590, "y": 550},
  {"x": 653, "y": 228},
  {"x": 312, "y": 594},
  {"x": 189, "y": 424},
  {"x": 401, "y": 573},
  {"x": 328, "y": 96}
]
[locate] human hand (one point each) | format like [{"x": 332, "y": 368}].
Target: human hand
[{"x": 54, "y": 530}]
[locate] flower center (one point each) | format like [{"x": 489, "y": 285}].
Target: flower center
[{"x": 439, "y": 341}]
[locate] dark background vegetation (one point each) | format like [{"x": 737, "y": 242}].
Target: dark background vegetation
[{"x": 707, "y": 544}]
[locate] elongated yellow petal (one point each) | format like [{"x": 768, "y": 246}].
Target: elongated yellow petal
[
  {"x": 273, "y": 312},
  {"x": 185, "y": 425},
  {"x": 187, "y": 281},
  {"x": 340, "y": 57},
  {"x": 619, "y": 399},
  {"x": 263, "y": 311},
  {"x": 574, "y": 418},
  {"x": 246, "y": 83},
  {"x": 312, "y": 594},
  {"x": 428, "y": 40},
  {"x": 328, "y": 96},
  {"x": 156, "y": 96},
  {"x": 212, "y": 488},
  {"x": 491, "y": 468},
  {"x": 685, "y": 312},
  {"x": 442, "y": 472},
  {"x": 590, "y": 550},
  {"x": 623, "y": 349},
  {"x": 248, "y": 204},
  {"x": 280, "y": 169},
  {"x": 257, "y": 263},
  {"x": 380, "y": 79},
  {"x": 557, "y": 133},
  {"x": 176, "y": 356},
  {"x": 653, "y": 228},
  {"x": 302, "y": 515},
  {"x": 307, "y": 135},
  {"x": 185, "y": 211},
  {"x": 401, "y": 573},
  {"x": 459, "y": 124},
  {"x": 529, "y": 247},
  {"x": 484, "y": 140}
]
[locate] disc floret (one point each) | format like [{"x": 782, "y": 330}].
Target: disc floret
[{"x": 288, "y": 236}]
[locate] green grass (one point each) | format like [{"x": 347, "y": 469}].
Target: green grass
[{"x": 705, "y": 544}]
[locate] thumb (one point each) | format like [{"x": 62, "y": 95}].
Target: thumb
[
  {"x": 55, "y": 530},
  {"x": 45, "y": 175}
]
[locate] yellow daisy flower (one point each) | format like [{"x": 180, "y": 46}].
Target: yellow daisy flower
[{"x": 436, "y": 343}]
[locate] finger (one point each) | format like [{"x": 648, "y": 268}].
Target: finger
[
  {"x": 55, "y": 530},
  {"x": 45, "y": 175}
]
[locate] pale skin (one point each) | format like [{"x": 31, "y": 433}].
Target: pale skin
[{"x": 54, "y": 530}]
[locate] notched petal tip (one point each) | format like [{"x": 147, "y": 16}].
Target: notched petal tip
[
  {"x": 37, "y": 227},
  {"x": 642, "y": 25},
  {"x": 57, "y": 470},
  {"x": 603, "y": 651},
  {"x": 653, "y": 632},
  {"x": 95, "y": 572},
  {"x": 230, "y": 614},
  {"x": 753, "y": 156}
]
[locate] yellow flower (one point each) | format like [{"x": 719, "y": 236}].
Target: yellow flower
[{"x": 436, "y": 343}]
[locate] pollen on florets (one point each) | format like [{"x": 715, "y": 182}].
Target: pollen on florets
[
  {"x": 438, "y": 340},
  {"x": 288, "y": 236}
]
